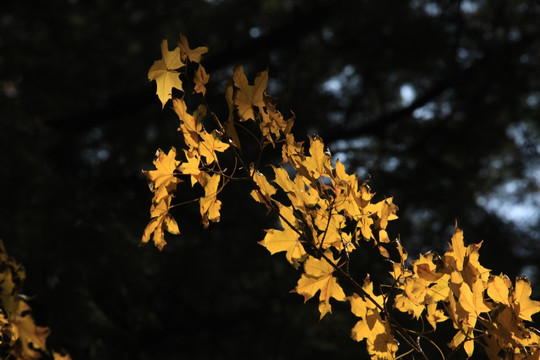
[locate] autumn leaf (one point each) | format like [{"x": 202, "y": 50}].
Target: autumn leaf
[
  {"x": 163, "y": 72},
  {"x": 457, "y": 249},
  {"x": 285, "y": 240},
  {"x": 264, "y": 191},
  {"x": 247, "y": 95},
  {"x": 498, "y": 289},
  {"x": 210, "y": 144},
  {"x": 318, "y": 163},
  {"x": 163, "y": 177},
  {"x": 160, "y": 222},
  {"x": 209, "y": 204},
  {"x": 189, "y": 127},
  {"x": 200, "y": 80},
  {"x": 525, "y": 307},
  {"x": 32, "y": 337},
  {"x": 186, "y": 52},
  {"x": 319, "y": 276}
]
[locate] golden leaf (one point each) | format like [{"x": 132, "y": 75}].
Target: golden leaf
[
  {"x": 285, "y": 240},
  {"x": 200, "y": 80},
  {"x": 209, "y": 204},
  {"x": 525, "y": 307},
  {"x": 247, "y": 95},
  {"x": 210, "y": 144},
  {"x": 186, "y": 52},
  {"x": 319, "y": 276},
  {"x": 498, "y": 289},
  {"x": 32, "y": 337},
  {"x": 163, "y": 177},
  {"x": 163, "y": 72},
  {"x": 160, "y": 221}
]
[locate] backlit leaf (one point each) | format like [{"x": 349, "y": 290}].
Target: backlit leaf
[{"x": 163, "y": 72}]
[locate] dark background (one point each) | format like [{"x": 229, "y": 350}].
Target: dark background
[{"x": 438, "y": 102}]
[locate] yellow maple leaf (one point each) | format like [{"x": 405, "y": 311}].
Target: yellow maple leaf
[
  {"x": 457, "y": 250},
  {"x": 163, "y": 177},
  {"x": 160, "y": 221},
  {"x": 189, "y": 126},
  {"x": 210, "y": 144},
  {"x": 498, "y": 289},
  {"x": 471, "y": 299},
  {"x": 209, "y": 204},
  {"x": 32, "y": 337},
  {"x": 264, "y": 191},
  {"x": 319, "y": 275},
  {"x": 247, "y": 95},
  {"x": 285, "y": 240},
  {"x": 521, "y": 298},
  {"x": 318, "y": 163},
  {"x": 191, "y": 166},
  {"x": 379, "y": 340},
  {"x": 163, "y": 72},
  {"x": 201, "y": 79},
  {"x": 186, "y": 52}
]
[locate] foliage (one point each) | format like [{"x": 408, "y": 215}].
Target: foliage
[
  {"x": 325, "y": 216},
  {"x": 20, "y": 337}
]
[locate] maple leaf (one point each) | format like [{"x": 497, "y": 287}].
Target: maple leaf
[
  {"x": 457, "y": 249},
  {"x": 498, "y": 289},
  {"x": 163, "y": 72},
  {"x": 160, "y": 221},
  {"x": 210, "y": 144},
  {"x": 209, "y": 204},
  {"x": 191, "y": 167},
  {"x": 319, "y": 276},
  {"x": 264, "y": 191},
  {"x": 379, "y": 340},
  {"x": 285, "y": 240},
  {"x": 201, "y": 79},
  {"x": 194, "y": 55},
  {"x": 247, "y": 95},
  {"x": 32, "y": 337},
  {"x": 163, "y": 177},
  {"x": 318, "y": 163},
  {"x": 189, "y": 127},
  {"x": 524, "y": 306}
]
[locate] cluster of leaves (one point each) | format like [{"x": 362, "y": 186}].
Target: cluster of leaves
[
  {"x": 20, "y": 338},
  {"x": 325, "y": 215}
]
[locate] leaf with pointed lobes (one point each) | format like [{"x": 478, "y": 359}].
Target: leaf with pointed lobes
[
  {"x": 189, "y": 126},
  {"x": 201, "y": 79},
  {"x": 209, "y": 204},
  {"x": 386, "y": 212},
  {"x": 521, "y": 299},
  {"x": 249, "y": 96},
  {"x": 319, "y": 276},
  {"x": 160, "y": 222},
  {"x": 498, "y": 289},
  {"x": 264, "y": 191},
  {"x": 318, "y": 164},
  {"x": 163, "y": 181},
  {"x": 32, "y": 337},
  {"x": 378, "y": 334},
  {"x": 163, "y": 72},
  {"x": 210, "y": 144},
  {"x": 193, "y": 55},
  {"x": 285, "y": 240},
  {"x": 457, "y": 251}
]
